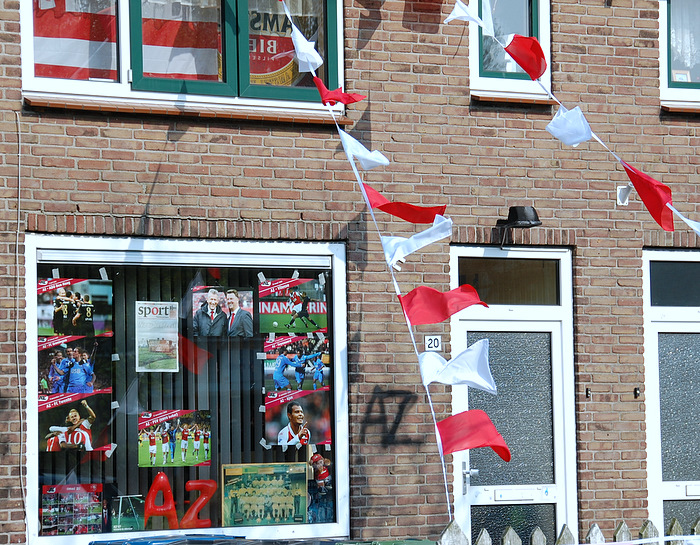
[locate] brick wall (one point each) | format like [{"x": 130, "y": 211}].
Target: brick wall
[{"x": 85, "y": 173}]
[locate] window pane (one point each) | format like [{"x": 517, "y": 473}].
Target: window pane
[
  {"x": 512, "y": 281},
  {"x": 75, "y": 39},
  {"x": 674, "y": 284},
  {"x": 198, "y": 388},
  {"x": 686, "y": 512},
  {"x": 271, "y": 50},
  {"x": 684, "y": 40},
  {"x": 679, "y": 384},
  {"x": 522, "y": 411},
  {"x": 509, "y": 17},
  {"x": 522, "y": 518},
  {"x": 182, "y": 40}
]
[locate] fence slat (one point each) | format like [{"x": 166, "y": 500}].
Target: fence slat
[
  {"x": 622, "y": 532},
  {"x": 484, "y": 538},
  {"x": 537, "y": 537},
  {"x": 595, "y": 535},
  {"x": 510, "y": 537},
  {"x": 565, "y": 537}
]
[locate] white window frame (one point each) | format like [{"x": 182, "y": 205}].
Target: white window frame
[
  {"x": 516, "y": 90},
  {"x": 116, "y": 95},
  {"x": 153, "y": 251},
  {"x": 557, "y": 319},
  {"x": 659, "y": 319}
]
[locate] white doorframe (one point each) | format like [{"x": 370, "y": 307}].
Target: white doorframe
[
  {"x": 558, "y": 321},
  {"x": 658, "y": 320}
]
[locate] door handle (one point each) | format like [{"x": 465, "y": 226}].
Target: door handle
[{"x": 467, "y": 474}]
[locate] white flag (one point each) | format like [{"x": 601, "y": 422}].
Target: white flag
[
  {"x": 308, "y": 58},
  {"x": 471, "y": 367},
  {"x": 694, "y": 225},
  {"x": 397, "y": 248},
  {"x": 570, "y": 126},
  {"x": 464, "y": 13},
  {"x": 353, "y": 148}
]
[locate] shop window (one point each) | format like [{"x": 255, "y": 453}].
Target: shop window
[
  {"x": 210, "y": 51},
  {"x": 186, "y": 387}
]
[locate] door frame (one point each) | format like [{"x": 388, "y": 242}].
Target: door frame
[
  {"x": 662, "y": 319},
  {"x": 558, "y": 320}
]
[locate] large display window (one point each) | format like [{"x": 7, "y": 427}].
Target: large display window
[{"x": 185, "y": 386}]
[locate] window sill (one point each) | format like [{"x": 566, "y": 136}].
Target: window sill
[
  {"x": 515, "y": 98},
  {"x": 680, "y": 106},
  {"x": 184, "y": 109}
]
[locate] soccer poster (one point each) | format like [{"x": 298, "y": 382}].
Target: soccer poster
[
  {"x": 297, "y": 418},
  {"x": 156, "y": 337},
  {"x": 74, "y": 324},
  {"x": 68, "y": 308},
  {"x": 76, "y": 421},
  {"x": 222, "y": 312},
  {"x": 297, "y": 363},
  {"x": 71, "y": 509},
  {"x": 261, "y": 494},
  {"x": 293, "y": 305},
  {"x": 174, "y": 438}
]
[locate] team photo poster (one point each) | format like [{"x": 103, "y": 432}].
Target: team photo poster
[
  {"x": 262, "y": 494},
  {"x": 174, "y": 438}
]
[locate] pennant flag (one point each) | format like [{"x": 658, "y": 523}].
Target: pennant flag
[
  {"x": 471, "y": 367},
  {"x": 463, "y": 13},
  {"x": 367, "y": 159},
  {"x": 471, "y": 429},
  {"x": 405, "y": 211},
  {"x": 397, "y": 248},
  {"x": 654, "y": 195},
  {"x": 424, "y": 305},
  {"x": 570, "y": 126},
  {"x": 694, "y": 225},
  {"x": 308, "y": 58},
  {"x": 527, "y": 52},
  {"x": 337, "y": 95}
]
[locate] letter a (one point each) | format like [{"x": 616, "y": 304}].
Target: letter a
[{"x": 167, "y": 509}]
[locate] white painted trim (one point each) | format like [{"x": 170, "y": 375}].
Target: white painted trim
[{"x": 193, "y": 252}]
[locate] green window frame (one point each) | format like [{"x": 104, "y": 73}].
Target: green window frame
[
  {"x": 533, "y": 24},
  {"x": 235, "y": 65}
]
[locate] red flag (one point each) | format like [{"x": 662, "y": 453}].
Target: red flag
[
  {"x": 424, "y": 305},
  {"x": 654, "y": 195},
  {"x": 471, "y": 429},
  {"x": 405, "y": 211},
  {"x": 331, "y": 97},
  {"x": 527, "y": 52}
]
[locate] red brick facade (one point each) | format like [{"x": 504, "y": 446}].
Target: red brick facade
[{"x": 92, "y": 173}]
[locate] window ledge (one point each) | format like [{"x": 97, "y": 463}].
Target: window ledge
[
  {"x": 186, "y": 109},
  {"x": 680, "y": 106},
  {"x": 517, "y": 98}
]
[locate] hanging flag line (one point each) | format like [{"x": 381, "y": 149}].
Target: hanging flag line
[
  {"x": 570, "y": 126},
  {"x": 423, "y": 305}
]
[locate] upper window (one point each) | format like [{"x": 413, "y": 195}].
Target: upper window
[
  {"x": 493, "y": 73},
  {"x": 211, "y": 375},
  {"x": 210, "y": 51},
  {"x": 679, "y": 52}
]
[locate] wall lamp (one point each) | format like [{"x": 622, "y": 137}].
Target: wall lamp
[{"x": 519, "y": 217}]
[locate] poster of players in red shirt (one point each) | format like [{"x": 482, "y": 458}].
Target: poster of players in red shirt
[{"x": 174, "y": 438}]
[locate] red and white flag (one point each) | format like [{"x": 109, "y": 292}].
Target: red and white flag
[
  {"x": 425, "y": 305},
  {"x": 654, "y": 195}
]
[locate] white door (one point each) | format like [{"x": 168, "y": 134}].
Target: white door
[
  {"x": 531, "y": 360},
  {"x": 672, "y": 386}
]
